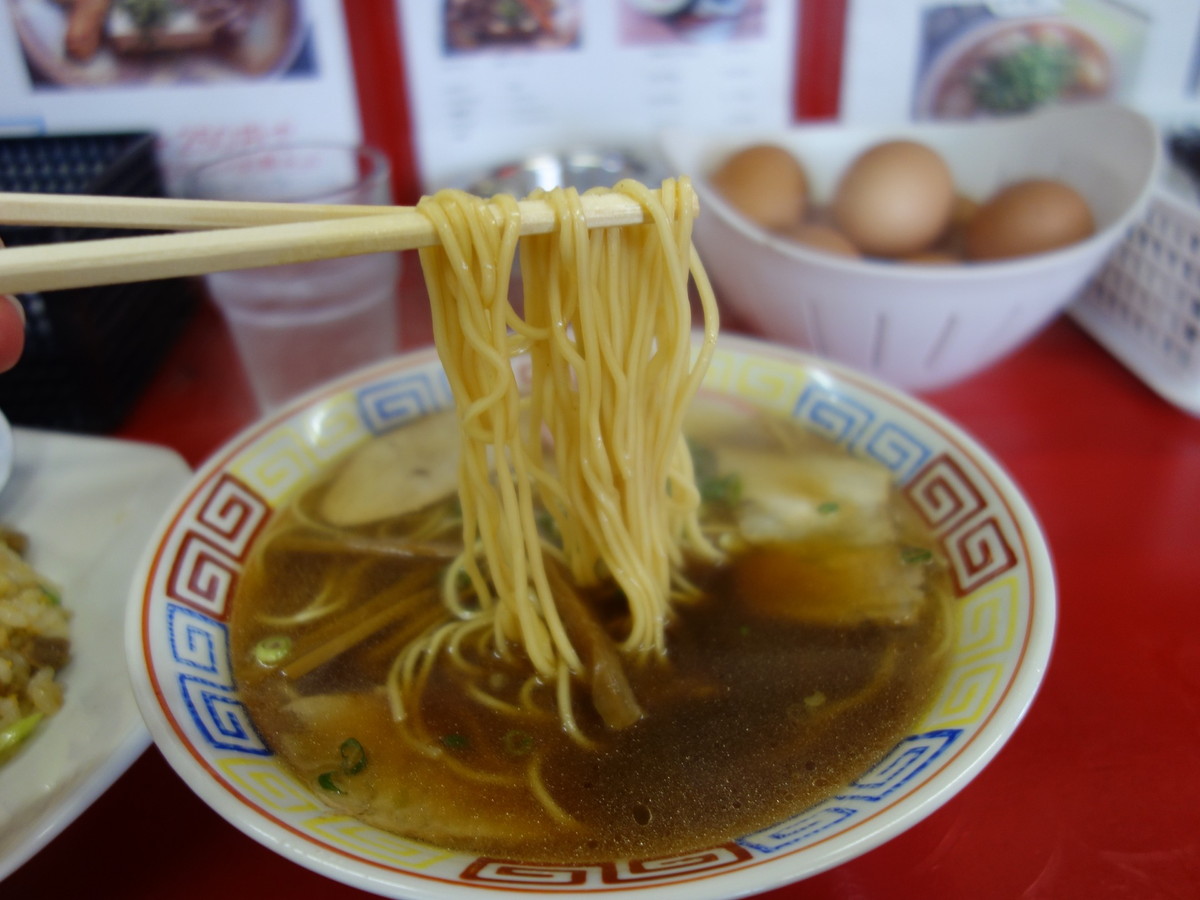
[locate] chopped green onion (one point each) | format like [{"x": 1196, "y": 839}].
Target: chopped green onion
[
  {"x": 52, "y": 595},
  {"x": 547, "y": 527},
  {"x": 725, "y": 489},
  {"x": 916, "y": 555},
  {"x": 325, "y": 780},
  {"x": 146, "y": 14},
  {"x": 828, "y": 507},
  {"x": 704, "y": 460},
  {"x": 517, "y": 742},
  {"x": 800, "y": 712},
  {"x": 744, "y": 630},
  {"x": 15, "y": 733},
  {"x": 354, "y": 757},
  {"x": 273, "y": 650},
  {"x": 455, "y": 741},
  {"x": 714, "y": 487}
]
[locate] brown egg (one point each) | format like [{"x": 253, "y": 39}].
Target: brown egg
[
  {"x": 821, "y": 237},
  {"x": 765, "y": 183},
  {"x": 964, "y": 211},
  {"x": 1028, "y": 217},
  {"x": 895, "y": 199},
  {"x": 933, "y": 258}
]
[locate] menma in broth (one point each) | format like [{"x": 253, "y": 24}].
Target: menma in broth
[{"x": 798, "y": 663}]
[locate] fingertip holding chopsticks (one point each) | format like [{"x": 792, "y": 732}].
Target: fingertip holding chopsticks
[{"x": 219, "y": 235}]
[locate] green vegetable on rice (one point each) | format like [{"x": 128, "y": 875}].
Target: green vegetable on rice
[
  {"x": 12, "y": 736},
  {"x": 35, "y": 645}
]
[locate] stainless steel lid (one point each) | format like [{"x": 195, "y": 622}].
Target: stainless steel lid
[{"x": 580, "y": 169}]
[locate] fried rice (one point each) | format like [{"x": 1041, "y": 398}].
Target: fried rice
[{"x": 34, "y": 647}]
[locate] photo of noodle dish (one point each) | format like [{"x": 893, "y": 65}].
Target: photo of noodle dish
[
  {"x": 480, "y": 25},
  {"x": 80, "y": 43},
  {"x": 588, "y": 597},
  {"x": 1013, "y": 66}
]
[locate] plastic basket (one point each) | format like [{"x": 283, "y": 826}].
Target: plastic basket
[
  {"x": 1144, "y": 304},
  {"x": 88, "y": 351}
]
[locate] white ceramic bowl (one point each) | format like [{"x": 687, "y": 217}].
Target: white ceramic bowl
[
  {"x": 923, "y": 327},
  {"x": 178, "y": 643}
]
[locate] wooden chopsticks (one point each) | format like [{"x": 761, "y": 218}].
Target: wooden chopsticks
[
  {"x": 156, "y": 214},
  {"x": 222, "y": 235}
]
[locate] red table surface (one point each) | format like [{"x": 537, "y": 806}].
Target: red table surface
[{"x": 1096, "y": 795}]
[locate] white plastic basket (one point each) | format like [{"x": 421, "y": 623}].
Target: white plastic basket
[{"x": 1144, "y": 304}]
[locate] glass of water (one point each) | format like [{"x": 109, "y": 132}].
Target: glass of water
[{"x": 298, "y": 325}]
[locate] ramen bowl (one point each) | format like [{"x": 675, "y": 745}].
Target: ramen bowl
[
  {"x": 1001, "y": 631},
  {"x": 922, "y": 327}
]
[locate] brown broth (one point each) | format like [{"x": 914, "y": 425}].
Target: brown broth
[{"x": 749, "y": 720}]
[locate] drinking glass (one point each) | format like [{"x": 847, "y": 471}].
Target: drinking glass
[{"x": 300, "y": 324}]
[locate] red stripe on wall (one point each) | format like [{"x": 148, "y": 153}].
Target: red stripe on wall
[
  {"x": 375, "y": 51},
  {"x": 820, "y": 39}
]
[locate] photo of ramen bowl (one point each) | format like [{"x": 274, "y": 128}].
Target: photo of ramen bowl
[
  {"x": 203, "y": 656},
  {"x": 78, "y": 45},
  {"x": 1014, "y": 66}
]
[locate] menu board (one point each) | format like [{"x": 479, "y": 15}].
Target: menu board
[
  {"x": 208, "y": 78},
  {"x": 492, "y": 82},
  {"x": 938, "y": 60}
]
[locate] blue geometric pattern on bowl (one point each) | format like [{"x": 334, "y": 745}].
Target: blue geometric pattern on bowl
[
  {"x": 221, "y": 717},
  {"x": 197, "y": 642},
  {"x": 843, "y": 420},
  {"x": 905, "y": 762},
  {"x": 387, "y": 404},
  {"x": 201, "y": 644},
  {"x": 833, "y": 413}
]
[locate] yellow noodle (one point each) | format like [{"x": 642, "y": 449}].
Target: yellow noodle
[
  {"x": 606, "y": 325},
  {"x": 566, "y": 709},
  {"x": 538, "y": 785}
]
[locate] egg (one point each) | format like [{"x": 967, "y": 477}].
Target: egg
[
  {"x": 1031, "y": 216},
  {"x": 764, "y": 182},
  {"x": 821, "y": 237},
  {"x": 963, "y": 211},
  {"x": 895, "y": 199},
  {"x": 933, "y": 258}
]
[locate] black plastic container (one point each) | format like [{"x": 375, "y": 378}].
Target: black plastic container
[{"x": 88, "y": 351}]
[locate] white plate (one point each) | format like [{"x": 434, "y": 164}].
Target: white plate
[
  {"x": 89, "y": 506},
  {"x": 6, "y": 450}
]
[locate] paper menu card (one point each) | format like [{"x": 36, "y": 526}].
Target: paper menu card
[
  {"x": 489, "y": 90},
  {"x": 264, "y": 72}
]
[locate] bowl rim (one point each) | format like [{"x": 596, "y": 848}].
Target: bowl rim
[{"x": 761, "y": 874}]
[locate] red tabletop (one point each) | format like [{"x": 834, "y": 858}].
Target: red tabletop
[{"x": 1096, "y": 795}]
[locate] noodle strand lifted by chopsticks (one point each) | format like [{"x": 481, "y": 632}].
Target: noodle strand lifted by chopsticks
[{"x": 596, "y": 436}]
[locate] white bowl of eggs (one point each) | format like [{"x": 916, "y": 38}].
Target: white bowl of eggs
[{"x": 920, "y": 254}]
